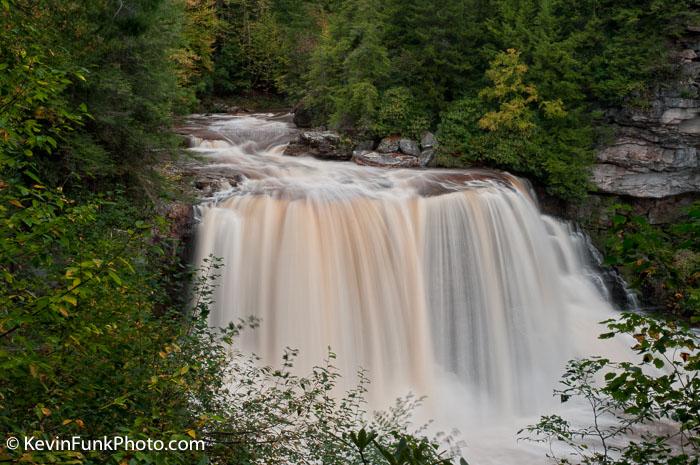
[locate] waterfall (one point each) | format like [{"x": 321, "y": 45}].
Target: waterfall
[{"x": 446, "y": 283}]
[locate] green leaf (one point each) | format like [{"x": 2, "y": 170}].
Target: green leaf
[{"x": 115, "y": 277}]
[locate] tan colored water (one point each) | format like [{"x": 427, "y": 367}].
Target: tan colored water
[{"x": 449, "y": 284}]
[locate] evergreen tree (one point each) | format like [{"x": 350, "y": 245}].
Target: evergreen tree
[
  {"x": 349, "y": 65},
  {"x": 433, "y": 50}
]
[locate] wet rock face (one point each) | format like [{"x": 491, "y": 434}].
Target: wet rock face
[
  {"x": 646, "y": 163},
  {"x": 320, "y": 144},
  {"x": 386, "y": 160},
  {"x": 180, "y": 219},
  {"x": 656, "y": 152}
]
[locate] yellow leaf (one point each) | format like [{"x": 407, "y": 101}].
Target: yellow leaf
[
  {"x": 16, "y": 203},
  {"x": 45, "y": 411},
  {"x": 70, "y": 299},
  {"x": 192, "y": 433},
  {"x": 62, "y": 310},
  {"x": 80, "y": 423},
  {"x": 66, "y": 421}
]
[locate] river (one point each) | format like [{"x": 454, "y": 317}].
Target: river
[{"x": 445, "y": 283}]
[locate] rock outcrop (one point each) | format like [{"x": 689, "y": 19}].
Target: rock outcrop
[
  {"x": 409, "y": 147},
  {"x": 327, "y": 145},
  {"x": 389, "y": 144},
  {"x": 428, "y": 145},
  {"x": 386, "y": 160},
  {"x": 396, "y": 152},
  {"x": 303, "y": 118},
  {"x": 656, "y": 152}
]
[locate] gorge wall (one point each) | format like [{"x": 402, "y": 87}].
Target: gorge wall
[{"x": 653, "y": 160}]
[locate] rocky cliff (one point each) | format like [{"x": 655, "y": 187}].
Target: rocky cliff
[{"x": 655, "y": 153}]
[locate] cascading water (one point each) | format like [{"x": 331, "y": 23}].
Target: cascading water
[{"x": 445, "y": 283}]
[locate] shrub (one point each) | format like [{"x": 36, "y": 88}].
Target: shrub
[
  {"x": 629, "y": 401},
  {"x": 400, "y": 113}
]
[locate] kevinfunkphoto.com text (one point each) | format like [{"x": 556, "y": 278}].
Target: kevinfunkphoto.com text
[{"x": 105, "y": 443}]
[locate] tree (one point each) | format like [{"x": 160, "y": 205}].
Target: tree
[
  {"x": 433, "y": 51},
  {"x": 200, "y": 27},
  {"x": 348, "y": 67},
  {"x": 252, "y": 50},
  {"x": 511, "y": 127}
]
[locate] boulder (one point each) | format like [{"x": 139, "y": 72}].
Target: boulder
[
  {"x": 688, "y": 55},
  {"x": 427, "y": 141},
  {"x": 303, "y": 118},
  {"x": 426, "y": 157},
  {"x": 389, "y": 144},
  {"x": 386, "y": 160},
  {"x": 320, "y": 144},
  {"x": 409, "y": 147},
  {"x": 365, "y": 146}
]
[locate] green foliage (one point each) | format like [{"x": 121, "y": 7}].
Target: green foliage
[
  {"x": 572, "y": 60},
  {"x": 662, "y": 261},
  {"x": 371, "y": 69},
  {"x": 252, "y": 50},
  {"x": 348, "y": 67},
  {"x": 354, "y": 107},
  {"x": 99, "y": 333},
  {"x": 662, "y": 387},
  {"x": 510, "y": 127},
  {"x": 77, "y": 326},
  {"x": 399, "y": 113},
  {"x": 200, "y": 26},
  {"x": 459, "y": 133},
  {"x": 271, "y": 415},
  {"x": 514, "y": 98},
  {"x": 433, "y": 51},
  {"x": 407, "y": 450}
]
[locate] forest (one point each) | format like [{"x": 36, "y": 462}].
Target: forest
[{"x": 99, "y": 333}]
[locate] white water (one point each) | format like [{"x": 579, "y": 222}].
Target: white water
[{"x": 449, "y": 284}]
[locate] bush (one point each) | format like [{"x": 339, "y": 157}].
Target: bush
[
  {"x": 630, "y": 400},
  {"x": 663, "y": 262},
  {"x": 400, "y": 113},
  {"x": 355, "y": 108},
  {"x": 510, "y": 127},
  {"x": 458, "y": 132}
]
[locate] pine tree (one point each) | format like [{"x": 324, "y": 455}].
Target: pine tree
[
  {"x": 349, "y": 65},
  {"x": 433, "y": 49}
]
